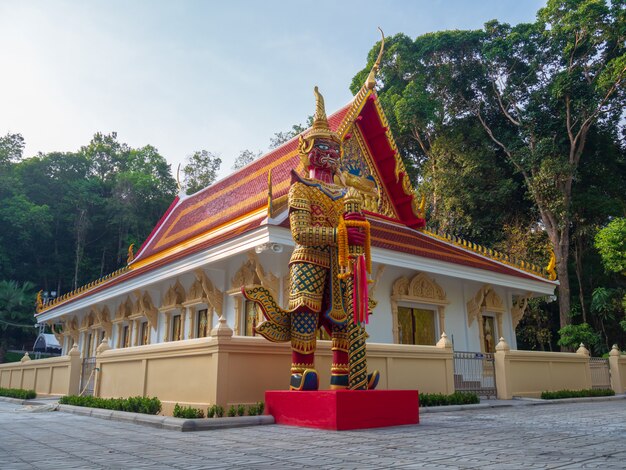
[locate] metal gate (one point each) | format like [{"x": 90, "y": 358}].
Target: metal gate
[
  {"x": 475, "y": 372},
  {"x": 88, "y": 376},
  {"x": 600, "y": 374}
]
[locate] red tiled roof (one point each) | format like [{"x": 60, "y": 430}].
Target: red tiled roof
[
  {"x": 236, "y": 195},
  {"x": 406, "y": 240}
]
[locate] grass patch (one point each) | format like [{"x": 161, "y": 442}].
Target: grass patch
[
  {"x": 145, "y": 405},
  {"x": 604, "y": 392},
  {"x": 17, "y": 393},
  {"x": 457, "y": 398}
]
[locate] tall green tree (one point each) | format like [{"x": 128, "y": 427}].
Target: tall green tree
[
  {"x": 536, "y": 89},
  {"x": 200, "y": 170},
  {"x": 16, "y": 314}
]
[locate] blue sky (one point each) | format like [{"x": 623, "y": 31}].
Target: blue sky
[{"x": 190, "y": 75}]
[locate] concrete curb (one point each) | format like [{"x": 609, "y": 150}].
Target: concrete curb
[
  {"x": 20, "y": 401},
  {"x": 167, "y": 422},
  {"x": 516, "y": 401}
]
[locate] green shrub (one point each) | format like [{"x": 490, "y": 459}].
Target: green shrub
[
  {"x": 253, "y": 410},
  {"x": 187, "y": 412},
  {"x": 605, "y": 392},
  {"x": 457, "y": 398},
  {"x": 210, "y": 411},
  {"x": 260, "y": 407},
  {"x": 145, "y": 405},
  {"x": 232, "y": 411},
  {"x": 17, "y": 393},
  {"x": 219, "y": 411},
  {"x": 241, "y": 410}
]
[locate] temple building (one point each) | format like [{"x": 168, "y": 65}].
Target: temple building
[{"x": 189, "y": 271}]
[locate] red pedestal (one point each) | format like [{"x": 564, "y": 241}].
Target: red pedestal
[{"x": 343, "y": 409}]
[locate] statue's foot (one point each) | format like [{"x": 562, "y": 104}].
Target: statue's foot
[
  {"x": 308, "y": 380},
  {"x": 372, "y": 380},
  {"x": 339, "y": 382}
]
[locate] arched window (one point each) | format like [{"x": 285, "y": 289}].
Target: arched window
[{"x": 418, "y": 310}]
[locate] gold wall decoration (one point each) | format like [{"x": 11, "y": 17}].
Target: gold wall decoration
[
  {"x": 518, "y": 309},
  {"x": 485, "y": 300}
]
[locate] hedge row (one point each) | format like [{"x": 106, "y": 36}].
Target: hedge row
[
  {"x": 457, "y": 398},
  {"x": 146, "y": 405},
  {"x": 217, "y": 411},
  {"x": 604, "y": 392},
  {"x": 17, "y": 393}
]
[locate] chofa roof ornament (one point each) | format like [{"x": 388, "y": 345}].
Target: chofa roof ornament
[{"x": 370, "y": 82}]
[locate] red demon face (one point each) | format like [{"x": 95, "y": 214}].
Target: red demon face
[{"x": 325, "y": 155}]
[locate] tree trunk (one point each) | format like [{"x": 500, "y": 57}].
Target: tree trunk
[
  {"x": 80, "y": 235},
  {"x": 579, "y": 275}
]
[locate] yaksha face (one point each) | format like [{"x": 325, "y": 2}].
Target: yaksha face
[{"x": 325, "y": 155}]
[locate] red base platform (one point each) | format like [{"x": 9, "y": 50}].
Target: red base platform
[{"x": 343, "y": 409}]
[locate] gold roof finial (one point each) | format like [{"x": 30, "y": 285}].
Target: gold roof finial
[
  {"x": 370, "y": 82},
  {"x": 131, "y": 255},
  {"x": 551, "y": 265}
]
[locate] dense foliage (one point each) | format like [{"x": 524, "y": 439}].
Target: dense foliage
[
  {"x": 145, "y": 405},
  {"x": 605, "y": 392},
  {"x": 520, "y": 127},
  {"x": 18, "y": 393},
  {"x": 456, "y": 398}
]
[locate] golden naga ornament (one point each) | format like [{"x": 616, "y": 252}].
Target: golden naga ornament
[{"x": 551, "y": 265}]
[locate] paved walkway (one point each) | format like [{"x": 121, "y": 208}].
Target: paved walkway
[{"x": 573, "y": 436}]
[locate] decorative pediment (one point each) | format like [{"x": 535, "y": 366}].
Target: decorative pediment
[
  {"x": 486, "y": 298},
  {"x": 245, "y": 276},
  {"x": 124, "y": 310},
  {"x": 88, "y": 320},
  {"x": 420, "y": 288},
  {"x": 146, "y": 307},
  {"x": 174, "y": 297},
  {"x": 196, "y": 293},
  {"x": 214, "y": 296},
  {"x": 104, "y": 318},
  {"x": 268, "y": 280}
]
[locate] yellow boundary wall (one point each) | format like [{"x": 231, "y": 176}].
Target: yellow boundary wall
[
  {"x": 186, "y": 372},
  {"x": 528, "y": 373},
  {"x": 52, "y": 376}
]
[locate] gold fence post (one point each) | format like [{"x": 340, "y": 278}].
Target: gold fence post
[
  {"x": 501, "y": 365},
  {"x": 616, "y": 377},
  {"x": 445, "y": 343},
  {"x": 75, "y": 369},
  {"x": 582, "y": 350}
]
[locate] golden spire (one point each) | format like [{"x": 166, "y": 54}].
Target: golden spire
[
  {"x": 370, "y": 82},
  {"x": 551, "y": 265},
  {"x": 131, "y": 255}
]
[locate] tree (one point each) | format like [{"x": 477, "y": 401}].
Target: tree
[
  {"x": 281, "y": 137},
  {"x": 537, "y": 90},
  {"x": 200, "y": 170},
  {"x": 571, "y": 336},
  {"x": 246, "y": 157},
  {"x": 611, "y": 243},
  {"x": 16, "y": 314},
  {"x": 11, "y": 148}
]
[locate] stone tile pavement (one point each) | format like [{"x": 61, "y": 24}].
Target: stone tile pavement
[{"x": 563, "y": 436}]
